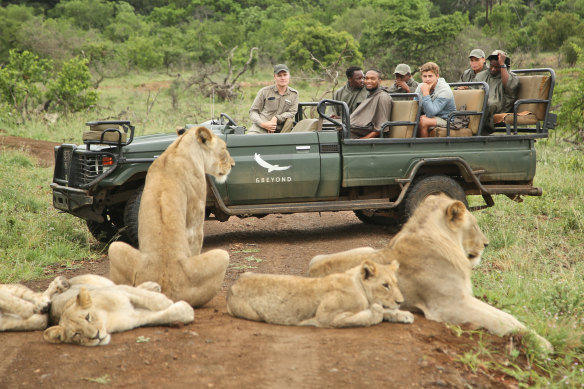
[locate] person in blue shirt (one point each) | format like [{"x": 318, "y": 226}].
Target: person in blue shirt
[{"x": 437, "y": 100}]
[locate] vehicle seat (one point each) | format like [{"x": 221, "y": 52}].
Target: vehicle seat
[
  {"x": 469, "y": 100},
  {"x": 530, "y": 87},
  {"x": 308, "y": 125},
  {"x": 403, "y": 111}
]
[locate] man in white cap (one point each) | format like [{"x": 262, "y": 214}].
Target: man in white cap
[
  {"x": 503, "y": 87},
  {"x": 477, "y": 62},
  {"x": 275, "y": 106},
  {"x": 404, "y": 83}
]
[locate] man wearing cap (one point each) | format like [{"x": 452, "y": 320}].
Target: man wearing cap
[
  {"x": 275, "y": 106},
  {"x": 477, "y": 62},
  {"x": 404, "y": 83},
  {"x": 375, "y": 110},
  {"x": 503, "y": 87},
  {"x": 352, "y": 93}
]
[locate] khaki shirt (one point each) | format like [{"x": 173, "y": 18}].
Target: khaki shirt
[
  {"x": 353, "y": 97},
  {"x": 269, "y": 103},
  {"x": 501, "y": 98},
  {"x": 395, "y": 89},
  {"x": 372, "y": 113},
  {"x": 469, "y": 75}
]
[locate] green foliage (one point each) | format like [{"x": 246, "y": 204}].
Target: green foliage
[
  {"x": 572, "y": 50},
  {"x": 144, "y": 52},
  {"x": 557, "y": 27},
  {"x": 571, "y": 97},
  {"x": 11, "y": 17},
  {"x": 412, "y": 41},
  {"x": 85, "y": 13},
  {"x": 304, "y": 38},
  {"x": 70, "y": 87},
  {"x": 20, "y": 79}
]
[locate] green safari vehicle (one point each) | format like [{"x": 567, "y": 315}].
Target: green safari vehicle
[{"x": 318, "y": 167}]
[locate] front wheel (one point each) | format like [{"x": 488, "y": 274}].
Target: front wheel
[
  {"x": 432, "y": 185},
  {"x": 131, "y": 216}
]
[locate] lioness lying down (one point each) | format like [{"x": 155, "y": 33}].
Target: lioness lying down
[
  {"x": 361, "y": 296},
  {"x": 22, "y": 309},
  {"x": 170, "y": 222},
  {"x": 436, "y": 249},
  {"x": 94, "y": 307}
]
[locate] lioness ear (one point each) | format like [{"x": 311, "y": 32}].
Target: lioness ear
[
  {"x": 54, "y": 334},
  {"x": 180, "y": 130},
  {"x": 204, "y": 135},
  {"x": 368, "y": 269},
  {"x": 84, "y": 299},
  {"x": 455, "y": 213},
  {"x": 395, "y": 265}
]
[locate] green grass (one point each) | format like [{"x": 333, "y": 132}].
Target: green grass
[
  {"x": 533, "y": 267},
  {"x": 33, "y": 234}
]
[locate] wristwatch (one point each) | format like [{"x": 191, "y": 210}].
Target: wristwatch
[{"x": 503, "y": 66}]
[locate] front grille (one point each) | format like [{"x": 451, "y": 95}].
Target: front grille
[{"x": 80, "y": 168}]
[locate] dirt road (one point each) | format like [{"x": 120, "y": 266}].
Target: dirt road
[{"x": 219, "y": 351}]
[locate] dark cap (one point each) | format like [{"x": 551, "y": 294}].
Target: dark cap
[
  {"x": 281, "y": 68},
  {"x": 495, "y": 54}
]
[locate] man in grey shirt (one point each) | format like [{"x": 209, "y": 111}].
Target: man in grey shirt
[
  {"x": 404, "y": 83},
  {"x": 375, "y": 110},
  {"x": 275, "y": 106},
  {"x": 477, "y": 63}
]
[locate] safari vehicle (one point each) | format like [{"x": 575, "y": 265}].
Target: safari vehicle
[{"x": 317, "y": 167}]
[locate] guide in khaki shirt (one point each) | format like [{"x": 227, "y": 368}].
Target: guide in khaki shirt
[{"x": 275, "y": 106}]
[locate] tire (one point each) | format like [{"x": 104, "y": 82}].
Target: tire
[
  {"x": 104, "y": 232},
  {"x": 131, "y": 217},
  {"x": 389, "y": 218},
  {"x": 427, "y": 186}
]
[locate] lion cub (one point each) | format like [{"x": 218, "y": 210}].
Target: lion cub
[
  {"x": 94, "y": 307},
  {"x": 170, "y": 222},
  {"x": 359, "y": 297},
  {"x": 22, "y": 309}
]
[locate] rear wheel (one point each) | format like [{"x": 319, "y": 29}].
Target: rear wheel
[
  {"x": 432, "y": 185},
  {"x": 380, "y": 217}
]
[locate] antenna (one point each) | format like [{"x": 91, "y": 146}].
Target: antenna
[{"x": 212, "y": 103}]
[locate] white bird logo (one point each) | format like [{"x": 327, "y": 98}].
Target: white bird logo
[{"x": 269, "y": 166}]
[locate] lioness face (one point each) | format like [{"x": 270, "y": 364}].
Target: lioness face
[
  {"x": 217, "y": 160},
  {"x": 473, "y": 240},
  {"x": 380, "y": 284},
  {"x": 80, "y": 324}
]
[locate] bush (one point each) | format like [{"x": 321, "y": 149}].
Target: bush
[{"x": 70, "y": 87}]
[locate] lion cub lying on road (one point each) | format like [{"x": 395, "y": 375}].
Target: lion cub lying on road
[
  {"x": 22, "y": 309},
  {"x": 361, "y": 296},
  {"x": 94, "y": 307},
  {"x": 436, "y": 249},
  {"x": 170, "y": 220}
]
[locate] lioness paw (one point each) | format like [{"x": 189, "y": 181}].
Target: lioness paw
[
  {"x": 61, "y": 284},
  {"x": 397, "y": 316},
  {"x": 43, "y": 305},
  {"x": 151, "y": 286}
]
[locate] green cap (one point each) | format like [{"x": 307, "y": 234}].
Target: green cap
[
  {"x": 477, "y": 53},
  {"x": 281, "y": 68},
  {"x": 402, "y": 69}
]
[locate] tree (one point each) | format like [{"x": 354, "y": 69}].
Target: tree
[
  {"x": 555, "y": 28},
  {"x": 11, "y": 18},
  {"x": 20, "y": 80},
  {"x": 305, "y": 39},
  {"x": 70, "y": 87}
]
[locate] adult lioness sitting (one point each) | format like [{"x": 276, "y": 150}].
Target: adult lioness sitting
[
  {"x": 170, "y": 222},
  {"x": 94, "y": 307},
  {"x": 361, "y": 296},
  {"x": 22, "y": 309},
  {"x": 437, "y": 249}
]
